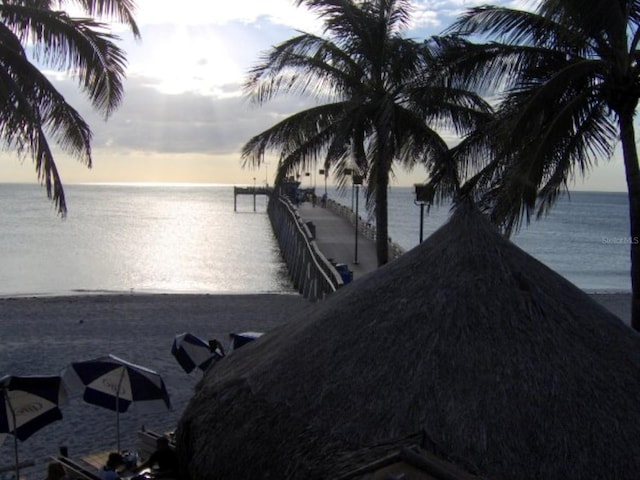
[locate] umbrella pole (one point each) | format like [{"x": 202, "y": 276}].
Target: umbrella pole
[
  {"x": 117, "y": 425},
  {"x": 118, "y": 410},
  {"x": 15, "y": 449},
  {"x": 15, "y": 433}
]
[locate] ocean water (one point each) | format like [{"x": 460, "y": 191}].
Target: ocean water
[
  {"x": 585, "y": 238},
  {"x": 116, "y": 238},
  {"x": 188, "y": 239}
]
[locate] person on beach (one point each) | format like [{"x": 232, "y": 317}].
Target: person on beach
[
  {"x": 164, "y": 459},
  {"x": 55, "y": 471},
  {"x": 110, "y": 470}
]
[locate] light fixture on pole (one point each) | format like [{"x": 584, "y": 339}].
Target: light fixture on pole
[
  {"x": 357, "y": 181},
  {"x": 424, "y": 196}
]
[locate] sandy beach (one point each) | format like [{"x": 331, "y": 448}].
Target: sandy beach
[{"x": 41, "y": 335}]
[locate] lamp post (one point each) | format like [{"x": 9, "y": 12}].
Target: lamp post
[
  {"x": 357, "y": 181},
  {"x": 324, "y": 172},
  {"x": 254, "y": 194},
  {"x": 347, "y": 172},
  {"x": 424, "y": 196}
]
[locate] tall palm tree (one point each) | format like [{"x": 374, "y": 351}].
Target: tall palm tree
[
  {"x": 32, "y": 111},
  {"x": 569, "y": 77},
  {"x": 369, "y": 113}
]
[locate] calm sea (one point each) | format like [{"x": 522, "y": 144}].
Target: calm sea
[
  {"x": 585, "y": 238},
  {"x": 188, "y": 239},
  {"x": 116, "y": 238}
]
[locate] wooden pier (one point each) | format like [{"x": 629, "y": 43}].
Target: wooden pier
[{"x": 255, "y": 191}]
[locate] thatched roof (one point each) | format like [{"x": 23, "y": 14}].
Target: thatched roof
[{"x": 502, "y": 365}]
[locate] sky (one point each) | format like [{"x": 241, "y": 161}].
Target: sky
[{"x": 184, "y": 118}]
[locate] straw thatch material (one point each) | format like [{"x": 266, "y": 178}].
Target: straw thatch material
[{"x": 503, "y": 365}]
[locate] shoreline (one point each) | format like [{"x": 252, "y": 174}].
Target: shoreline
[
  {"x": 43, "y": 334},
  {"x": 618, "y": 302}
]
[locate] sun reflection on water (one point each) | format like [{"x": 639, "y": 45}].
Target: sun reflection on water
[{"x": 144, "y": 238}]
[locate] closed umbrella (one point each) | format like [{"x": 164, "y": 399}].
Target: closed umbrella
[
  {"x": 115, "y": 384},
  {"x": 29, "y": 404},
  {"x": 192, "y": 352}
]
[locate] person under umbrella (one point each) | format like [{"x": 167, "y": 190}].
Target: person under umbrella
[
  {"x": 29, "y": 404},
  {"x": 164, "y": 459},
  {"x": 115, "y": 384}
]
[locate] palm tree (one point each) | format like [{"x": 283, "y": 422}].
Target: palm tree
[
  {"x": 569, "y": 80},
  {"x": 369, "y": 112},
  {"x": 32, "y": 111}
]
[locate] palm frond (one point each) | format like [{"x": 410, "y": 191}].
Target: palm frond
[
  {"x": 119, "y": 10},
  {"x": 31, "y": 109},
  {"x": 306, "y": 131},
  {"x": 81, "y": 46},
  {"x": 303, "y": 64}
]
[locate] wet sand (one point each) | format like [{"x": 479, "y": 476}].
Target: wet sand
[{"x": 41, "y": 335}]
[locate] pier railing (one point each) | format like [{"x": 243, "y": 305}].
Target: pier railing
[
  {"x": 312, "y": 274},
  {"x": 364, "y": 228}
]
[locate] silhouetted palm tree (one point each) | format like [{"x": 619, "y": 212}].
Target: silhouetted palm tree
[
  {"x": 32, "y": 111},
  {"x": 369, "y": 111},
  {"x": 570, "y": 83}
]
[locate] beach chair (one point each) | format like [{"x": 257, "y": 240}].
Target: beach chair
[{"x": 74, "y": 470}]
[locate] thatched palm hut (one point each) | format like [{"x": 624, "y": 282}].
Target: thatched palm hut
[{"x": 494, "y": 361}]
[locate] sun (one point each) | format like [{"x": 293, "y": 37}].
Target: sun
[{"x": 179, "y": 58}]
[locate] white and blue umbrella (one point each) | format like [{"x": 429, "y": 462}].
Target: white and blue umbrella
[
  {"x": 192, "y": 352},
  {"x": 116, "y": 384},
  {"x": 29, "y": 403}
]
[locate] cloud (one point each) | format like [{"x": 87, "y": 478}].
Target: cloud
[
  {"x": 152, "y": 121},
  {"x": 183, "y": 89},
  {"x": 183, "y": 116},
  {"x": 195, "y": 12}
]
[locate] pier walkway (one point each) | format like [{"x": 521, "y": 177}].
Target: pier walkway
[{"x": 336, "y": 239}]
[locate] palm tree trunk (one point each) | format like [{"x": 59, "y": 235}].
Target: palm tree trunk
[
  {"x": 382, "y": 224},
  {"x": 630, "y": 155}
]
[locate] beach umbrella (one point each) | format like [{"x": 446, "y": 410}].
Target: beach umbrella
[
  {"x": 242, "y": 338},
  {"x": 192, "y": 352},
  {"x": 116, "y": 384},
  {"x": 465, "y": 346},
  {"x": 29, "y": 404}
]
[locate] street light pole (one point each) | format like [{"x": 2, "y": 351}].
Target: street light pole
[
  {"x": 424, "y": 196},
  {"x": 421, "y": 221},
  {"x": 254, "y": 194},
  {"x": 357, "y": 181},
  {"x": 324, "y": 172}
]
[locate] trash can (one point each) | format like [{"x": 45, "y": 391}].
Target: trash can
[{"x": 345, "y": 273}]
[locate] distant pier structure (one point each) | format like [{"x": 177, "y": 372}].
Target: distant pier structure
[{"x": 255, "y": 191}]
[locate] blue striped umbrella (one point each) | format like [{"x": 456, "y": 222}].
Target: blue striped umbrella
[
  {"x": 116, "y": 384},
  {"x": 192, "y": 352},
  {"x": 29, "y": 404}
]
